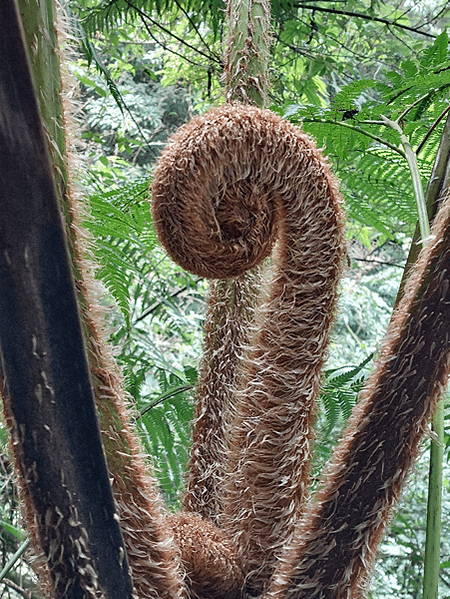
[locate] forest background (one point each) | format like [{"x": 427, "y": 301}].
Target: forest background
[{"x": 368, "y": 80}]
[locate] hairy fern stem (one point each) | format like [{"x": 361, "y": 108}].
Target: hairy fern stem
[{"x": 435, "y": 478}]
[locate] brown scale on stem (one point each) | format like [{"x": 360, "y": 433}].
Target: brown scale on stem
[
  {"x": 338, "y": 538},
  {"x": 230, "y": 310}
]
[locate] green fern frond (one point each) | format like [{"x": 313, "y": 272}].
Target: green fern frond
[
  {"x": 340, "y": 392},
  {"x": 378, "y": 190},
  {"x": 93, "y": 57},
  {"x": 108, "y": 14},
  {"x": 120, "y": 221},
  {"x": 165, "y": 424},
  {"x": 437, "y": 54},
  {"x": 346, "y": 99},
  {"x": 368, "y": 155},
  {"x": 338, "y": 377}
]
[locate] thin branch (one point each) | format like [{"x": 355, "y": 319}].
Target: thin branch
[
  {"x": 431, "y": 129},
  {"x": 295, "y": 49},
  {"x": 88, "y": 47},
  {"x": 156, "y": 305},
  {"x": 25, "y": 583},
  {"x": 173, "y": 393},
  {"x": 399, "y": 38},
  {"x": 144, "y": 15},
  {"x": 404, "y": 113},
  {"x": 380, "y": 262},
  {"x": 195, "y": 28},
  {"x": 18, "y": 589},
  {"x": 376, "y": 138},
  {"x": 166, "y": 48},
  {"x": 441, "y": 13},
  {"x": 360, "y": 15},
  {"x": 413, "y": 105}
]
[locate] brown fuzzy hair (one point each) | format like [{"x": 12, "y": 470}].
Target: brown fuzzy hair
[
  {"x": 230, "y": 311},
  {"x": 335, "y": 545},
  {"x": 209, "y": 557},
  {"x": 152, "y": 553},
  {"x": 230, "y": 184},
  {"x": 249, "y": 462}
]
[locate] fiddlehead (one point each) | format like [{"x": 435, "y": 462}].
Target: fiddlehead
[
  {"x": 212, "y": 567},
  {"x": 226, "y": 178}
]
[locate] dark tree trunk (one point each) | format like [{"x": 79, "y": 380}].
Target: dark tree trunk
[{"x": 47, "y": 388}]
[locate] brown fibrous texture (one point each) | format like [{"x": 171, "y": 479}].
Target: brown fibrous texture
[
  {"x": 153, "y": 556},
  {"x": 211, "y": 562},
  {"x": 336, "y": 543},
  {"x": 229, "y": 185},
  {"x": 59, "y": 550},
  {"x": 230, "y": 311},
  {"x": 213, "y": 213}
]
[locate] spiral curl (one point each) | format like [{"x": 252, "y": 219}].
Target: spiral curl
[
  {"x": 229, "y": 185},
  {"x": 219, "y": 188}
]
